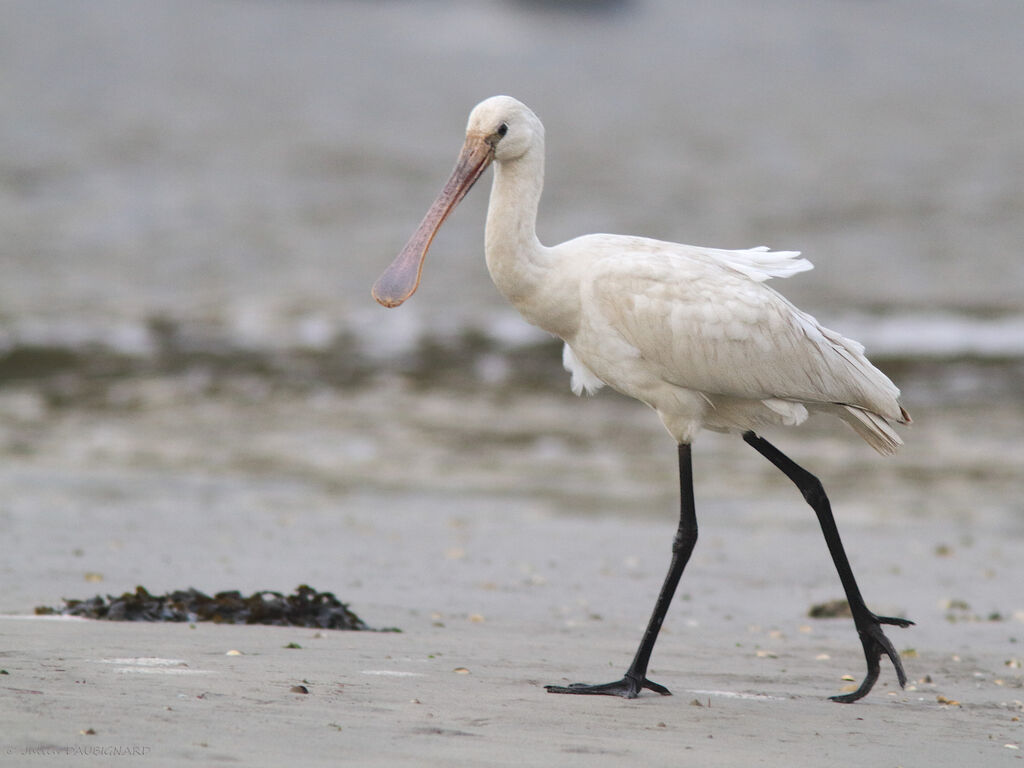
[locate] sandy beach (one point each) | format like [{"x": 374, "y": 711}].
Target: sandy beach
[{"x": 498, "y": 593}]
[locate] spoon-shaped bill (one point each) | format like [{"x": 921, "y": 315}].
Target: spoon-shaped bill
[{"x": 401, "y": 279}]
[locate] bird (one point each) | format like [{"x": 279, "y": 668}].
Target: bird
[{"x": 692, "y": 332}]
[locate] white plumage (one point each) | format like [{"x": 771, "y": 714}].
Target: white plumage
[
  {"x": 697, "y": 335},
  {"x": 693, "y": 332}
]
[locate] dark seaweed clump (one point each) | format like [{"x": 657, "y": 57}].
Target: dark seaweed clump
[
  {"x": 304, "y": 608},
  {"x": 831, "y": 609}
]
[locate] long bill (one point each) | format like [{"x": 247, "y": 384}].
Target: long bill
[{"x": 401, "y": 279}]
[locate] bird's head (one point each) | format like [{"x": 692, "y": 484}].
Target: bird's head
[
  {"x": 507, "y": 125},
  {"x": 500, "y": 129}
]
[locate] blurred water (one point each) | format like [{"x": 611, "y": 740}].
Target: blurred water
[{"x": 242, "y": 170}]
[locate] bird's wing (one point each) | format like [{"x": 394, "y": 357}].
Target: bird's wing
[{"x": 707, "y": 322}]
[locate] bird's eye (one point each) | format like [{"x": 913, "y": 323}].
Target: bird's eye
[{"x": 503, "y": 129}]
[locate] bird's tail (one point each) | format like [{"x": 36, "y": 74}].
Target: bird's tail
[{"x": 875, "y": 430}]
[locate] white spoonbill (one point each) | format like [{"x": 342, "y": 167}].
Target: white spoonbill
[{"x": 695, "y": 333}]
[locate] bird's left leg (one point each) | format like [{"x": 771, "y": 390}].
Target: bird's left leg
[{"x": 869, "y": 626}]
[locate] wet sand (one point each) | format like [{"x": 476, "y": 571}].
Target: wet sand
[{"x": 498, "y": 588}]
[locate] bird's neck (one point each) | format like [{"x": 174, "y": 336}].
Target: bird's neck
[{"x": 515, "y": 258}]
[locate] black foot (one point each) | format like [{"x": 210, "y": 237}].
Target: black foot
[
  {"x": 628, "y": 688},
  {"x": 876, "y": 644}
]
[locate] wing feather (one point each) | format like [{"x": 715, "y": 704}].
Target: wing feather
[{"x": 707, "y": 322}]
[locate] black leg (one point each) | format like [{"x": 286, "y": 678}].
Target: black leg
[
  {"x": 869, "y": 626},
  {"x": 635, "y": 678}
]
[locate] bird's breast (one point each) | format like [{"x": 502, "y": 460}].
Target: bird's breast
[{"x": 543, "y": 293}]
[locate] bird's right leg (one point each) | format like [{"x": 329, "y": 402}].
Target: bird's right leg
[
  {"x": 635, "y": 679},
  {"x": 869, "y": 626}
]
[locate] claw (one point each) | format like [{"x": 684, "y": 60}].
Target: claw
[
  {"x": 875, "y": 645},
  {"x": 628, "y": 688}
]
